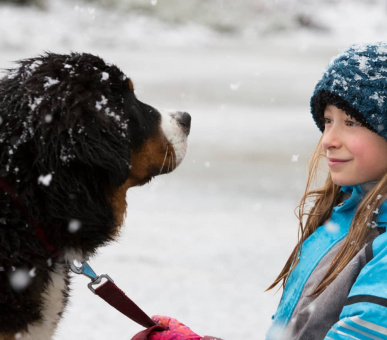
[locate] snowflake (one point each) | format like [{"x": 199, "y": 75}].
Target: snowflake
[{"x": 49, "y": 82}]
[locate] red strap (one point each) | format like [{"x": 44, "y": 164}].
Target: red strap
[
  {"x": 146, "y": 332},
  {"x": 115, "y": 297}
]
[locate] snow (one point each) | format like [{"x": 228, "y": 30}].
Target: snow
[
  {"x": 34, "y": 103},
  {"x": 105, "y": 76},
  {"x": 45, "y": 179},
  {"x": 48, "y": 118},
  {"x": 203, "y": 243},
  {"x": 332, "y": 227},
  {"x": 19, "y": 279},
  {"x": 98, "y": 104},
  {"x": 49, "y": 82},
  {"x": 380, "y": 99},
  {"x": 74, "y": 226}
]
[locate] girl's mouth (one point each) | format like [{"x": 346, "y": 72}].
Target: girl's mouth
[{"x": 336, "y": 161}]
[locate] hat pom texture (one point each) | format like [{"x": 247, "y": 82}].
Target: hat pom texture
[{"x": 357, "y": 81}]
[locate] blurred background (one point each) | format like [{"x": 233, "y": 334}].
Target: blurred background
[{"x": 203, "y": 243}]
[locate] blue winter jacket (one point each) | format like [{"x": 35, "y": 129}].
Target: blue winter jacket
[{"x": 354, "y": 305}]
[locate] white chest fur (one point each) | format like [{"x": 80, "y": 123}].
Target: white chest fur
[{"x": 53, "y": 306}]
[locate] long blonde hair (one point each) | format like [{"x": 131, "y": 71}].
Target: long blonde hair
[{"x": 323, "y": 200}]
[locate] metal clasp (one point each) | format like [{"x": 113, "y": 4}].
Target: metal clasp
[{"x": 86, "y": 270}]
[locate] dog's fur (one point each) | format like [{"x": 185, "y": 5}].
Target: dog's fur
[{"x": 73, "y": 139}]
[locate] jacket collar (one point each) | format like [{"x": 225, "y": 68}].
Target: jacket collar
[{"x": 357, "y": 189}]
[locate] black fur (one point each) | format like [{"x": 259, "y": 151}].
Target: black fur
[{"x": 74, "y": 118}]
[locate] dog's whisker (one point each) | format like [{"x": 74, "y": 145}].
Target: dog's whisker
[
  {"x": 173, "y": 161},
  {"x": 169, "y": 164},
  {"x": 165, "y": 157}
]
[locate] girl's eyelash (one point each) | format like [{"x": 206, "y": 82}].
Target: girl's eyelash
[{"x": 353, "y": 122}]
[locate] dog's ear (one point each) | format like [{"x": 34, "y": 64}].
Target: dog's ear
[{"x": 79, "y": 118}]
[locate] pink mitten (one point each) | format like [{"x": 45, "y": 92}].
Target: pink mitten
[{"x": 174, "y": 330}]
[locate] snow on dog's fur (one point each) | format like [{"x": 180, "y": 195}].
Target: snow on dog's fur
[{"x": 73, "y": 139}]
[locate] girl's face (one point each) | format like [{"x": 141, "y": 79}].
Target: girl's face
[{"x": 354, "y": 153}]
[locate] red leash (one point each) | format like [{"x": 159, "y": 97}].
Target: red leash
[{"x": 115, "y": 297}]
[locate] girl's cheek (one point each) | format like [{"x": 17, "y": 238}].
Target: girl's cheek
[{"x": 358, "y": 147}]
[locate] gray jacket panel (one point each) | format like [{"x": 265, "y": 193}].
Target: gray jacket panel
[{"x": 313, "y": 317}]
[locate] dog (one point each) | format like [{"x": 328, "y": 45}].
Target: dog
[{"x": 73, "y": 139}]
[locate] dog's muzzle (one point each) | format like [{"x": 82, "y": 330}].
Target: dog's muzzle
[{"x": 176, "y": 127}]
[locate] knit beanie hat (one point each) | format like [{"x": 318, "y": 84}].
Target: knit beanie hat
[{"x": 355, "y": 82}]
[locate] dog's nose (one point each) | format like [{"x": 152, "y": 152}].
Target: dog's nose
[{"x": 184, "y": 119}]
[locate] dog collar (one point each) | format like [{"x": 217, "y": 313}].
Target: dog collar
[{"x": 17, "y": 201}]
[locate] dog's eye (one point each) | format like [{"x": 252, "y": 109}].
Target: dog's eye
[{"x": 130, "y": 84}]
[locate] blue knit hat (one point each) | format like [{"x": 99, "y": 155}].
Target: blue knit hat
[{"x": 356, "y": 82}]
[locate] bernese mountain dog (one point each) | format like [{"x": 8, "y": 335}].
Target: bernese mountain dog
[{"x": 73, "y": 139}]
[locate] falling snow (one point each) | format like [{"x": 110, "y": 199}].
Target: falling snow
[
  {"x": 19, "y": 279},
  {"x": 32, "y": 272},
  {"x": 332, "y": 227},
  {"x": 235, "y": 86},
  {"x": 249, "y": 155},
  {"x": 48, "y": 118},
  {"x": 74, "y": 226}
]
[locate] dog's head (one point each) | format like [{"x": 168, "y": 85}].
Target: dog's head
[{"x": 73, "y": 139}]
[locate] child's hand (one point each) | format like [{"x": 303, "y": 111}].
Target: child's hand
[{"x": 175, "y": 330}]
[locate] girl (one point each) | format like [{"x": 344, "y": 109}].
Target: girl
[{"x": 335, "y": 280}]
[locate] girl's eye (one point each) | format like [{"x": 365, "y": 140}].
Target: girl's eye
[
  {"x": 352, "y": 123},
  {"x": 327, "y": 120}
]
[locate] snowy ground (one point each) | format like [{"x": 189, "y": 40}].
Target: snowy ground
[{"x": 202, "y": 243}]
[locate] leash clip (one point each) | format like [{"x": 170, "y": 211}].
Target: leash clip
[{"x": 86, "y": 270}]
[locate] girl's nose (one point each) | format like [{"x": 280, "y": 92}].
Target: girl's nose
[{"x": 331, "y": 138}]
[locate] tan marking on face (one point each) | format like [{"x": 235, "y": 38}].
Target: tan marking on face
[
  {"x": 155, "y": 157},
  {"x": 130, "y": 84},
  {"x": 8, "y": 336}
]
